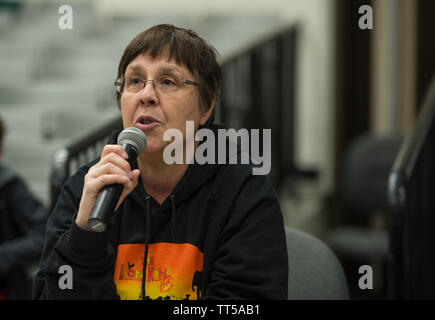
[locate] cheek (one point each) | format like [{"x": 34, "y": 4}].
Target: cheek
[
  {"x": 193, "y": 109},
  {"x": 126, "y": 111},
  {"x": 180, "y": 110},
  {"x": 180, "y": 116}
]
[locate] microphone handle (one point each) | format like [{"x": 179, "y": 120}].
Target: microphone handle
[
  {"x": 104, "y": 207},
  {"x": 108, "y": 197}
]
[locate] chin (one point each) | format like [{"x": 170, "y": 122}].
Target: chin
[{"x": 152, "y": 149}]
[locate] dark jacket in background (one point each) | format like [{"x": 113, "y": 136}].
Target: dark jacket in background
[{"x": 22, "y": 222}]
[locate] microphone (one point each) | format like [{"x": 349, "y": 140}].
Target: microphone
[{"x": 133, "y": 141}]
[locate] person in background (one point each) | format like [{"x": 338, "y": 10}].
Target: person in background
[{"x": 22, "y": 222}]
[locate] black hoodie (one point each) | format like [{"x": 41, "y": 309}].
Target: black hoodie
[
  {"x": 219, "y": 235},
  {"x": 22, "y": 221}
]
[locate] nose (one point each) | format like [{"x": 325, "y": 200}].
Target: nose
[{"x": 148, "y": 95}]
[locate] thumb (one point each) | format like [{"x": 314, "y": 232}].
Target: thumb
[
  {"x": 128, "y": 188},
  {"x": 135, "y": 173}
]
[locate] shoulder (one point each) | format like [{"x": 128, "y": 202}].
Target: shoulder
[
  {"x": 11, "y": 184},
  {"x": 239, "y": 181},
  {"x": 7, "y": 176},
  {"x": 234, "y": 157}
]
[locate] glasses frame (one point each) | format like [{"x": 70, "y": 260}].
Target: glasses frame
[{"x": 120, "y": 82}]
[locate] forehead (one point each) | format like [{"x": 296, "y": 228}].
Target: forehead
[{"x": 145, "y": 63}]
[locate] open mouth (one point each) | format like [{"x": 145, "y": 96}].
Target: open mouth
[
  {"x": 143, "y": 121},
  {"x": 146, "y": 122}
]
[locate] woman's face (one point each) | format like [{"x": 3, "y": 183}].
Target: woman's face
[{"x": 153, "y": 111}]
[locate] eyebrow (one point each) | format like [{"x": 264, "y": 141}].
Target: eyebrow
[{"x": 162, "y": 70}]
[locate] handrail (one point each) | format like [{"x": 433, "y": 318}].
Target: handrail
[
  {"x": 400, "y": 193},
  {"x": 263, "y": 38},
  {"x": 411, "y": 148},
  {"x": 258, "y": 91}
]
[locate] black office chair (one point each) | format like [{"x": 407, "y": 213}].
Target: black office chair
[
  {"x": 314, "y": 271},
  {"x": 367, "y": 165}
]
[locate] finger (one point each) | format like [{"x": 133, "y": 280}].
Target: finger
[
  {"x": 114, "y": 148},
  {"x": 109, "y": 168},
  {"x": 135, "y": 175},
  {"x": 115, "y": 159},
  {"x": 132, "y": 183},
  {"x": 129, "y": 187},
  {"x": 95, "y": 185}
]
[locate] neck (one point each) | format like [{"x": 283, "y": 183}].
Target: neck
[{"x": 158, "y": 178}]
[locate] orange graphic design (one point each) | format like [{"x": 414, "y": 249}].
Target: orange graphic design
[{"x": 173, "y": 271}]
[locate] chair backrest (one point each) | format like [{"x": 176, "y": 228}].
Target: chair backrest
[
  {"x": 368, "y": 163},
  {"x": 314, "y": 271}
]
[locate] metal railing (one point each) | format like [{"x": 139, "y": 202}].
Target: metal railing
[
  {"x": 258, "y": 92},
  {"x": 412, "y": 210}
]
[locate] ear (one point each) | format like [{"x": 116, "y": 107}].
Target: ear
[{"x": 206, "y": 115}]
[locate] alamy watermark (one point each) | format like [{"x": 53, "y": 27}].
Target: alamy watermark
[
  {"x": 366, "y": 20},
  {"x": 206, "y": 151},
  {"x": 366, "y": 280},
  {"x": 66, "y": 280},
  {"x": 65, "y": 21}
]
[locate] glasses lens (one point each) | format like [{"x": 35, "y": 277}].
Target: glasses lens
[
  {"x": 165, "y": 84},
  {"x": 133, "y": 84},
  {"x": 168, "y": 84}
]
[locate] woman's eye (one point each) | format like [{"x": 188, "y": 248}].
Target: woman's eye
[
  {"x": 167, "y": 82},
  {"x": 133, "y": 81}
]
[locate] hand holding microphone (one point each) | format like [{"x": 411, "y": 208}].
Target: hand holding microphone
[{"x": 109, "y": 181}]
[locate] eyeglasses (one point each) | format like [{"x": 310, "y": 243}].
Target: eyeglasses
[{"x": 164, "y": 84}]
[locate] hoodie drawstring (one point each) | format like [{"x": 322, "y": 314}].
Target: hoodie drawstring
[
  {"x": 147, "y": 237},
  {"x": 171, "y": 222},
  {"x": 147, "y": 242}
]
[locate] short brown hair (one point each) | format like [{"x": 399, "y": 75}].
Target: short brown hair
[{"x": 188, "y": 50}]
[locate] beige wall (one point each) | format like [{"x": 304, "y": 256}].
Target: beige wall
[
  {"x": 393, "y": 72},
  {"x": 315, "y": 86}
]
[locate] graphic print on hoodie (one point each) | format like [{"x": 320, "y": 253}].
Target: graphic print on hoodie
[{"x": 172, "y": 271}]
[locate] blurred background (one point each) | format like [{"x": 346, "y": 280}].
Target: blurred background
[{"x": 341, "y": 101}]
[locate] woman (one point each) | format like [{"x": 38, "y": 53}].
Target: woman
[{"x": 181, "y": 230}]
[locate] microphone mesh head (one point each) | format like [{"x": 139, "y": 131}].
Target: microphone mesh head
[{"x": 133, "y": 136}]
